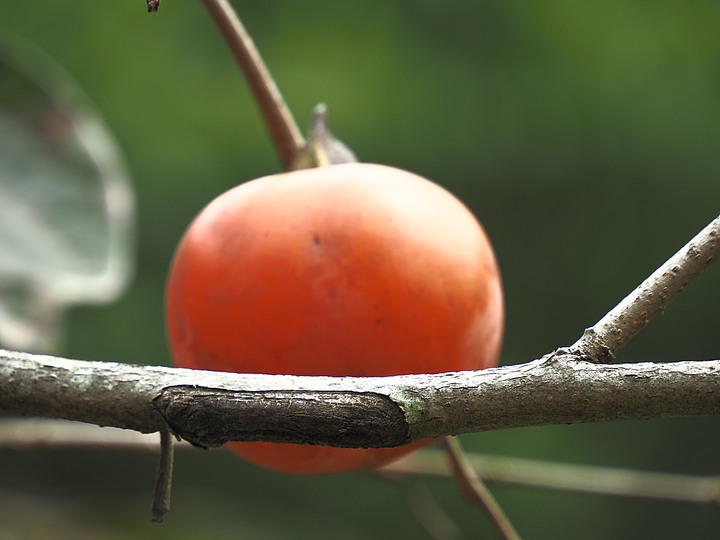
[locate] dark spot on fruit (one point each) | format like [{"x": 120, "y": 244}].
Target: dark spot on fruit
[
  {"x": 316, "y": 239},
  {"x": 378, "y": 321}
]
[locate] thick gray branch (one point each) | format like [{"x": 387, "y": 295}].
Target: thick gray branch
[{"x": 210, "y": 408}]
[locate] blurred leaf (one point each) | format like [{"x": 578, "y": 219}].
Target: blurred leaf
[{"x": 66, "y": 204}]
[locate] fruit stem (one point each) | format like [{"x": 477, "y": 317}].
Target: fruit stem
[{"x": 284, "y": 131}]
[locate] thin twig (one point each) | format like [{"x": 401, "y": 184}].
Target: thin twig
[
  {"x": 24, "y": 434},
  {"x": 286, "y": 135},
  {"x": 163, "y": 481},
  {"x": 567, "y": 477},
  {"x": 615, "y": 330},
  {"x": 43, "y": 433},
  {"x": 433, "y": 518},
  {"x": 475, "y": 490}
]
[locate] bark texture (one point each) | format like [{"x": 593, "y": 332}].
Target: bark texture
[{"x": 210, "y": 408}]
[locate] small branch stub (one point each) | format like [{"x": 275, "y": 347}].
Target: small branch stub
[{"x": 163, "y": 481}]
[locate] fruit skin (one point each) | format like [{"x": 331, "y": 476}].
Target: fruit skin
[{"x": 352, "y": 269}]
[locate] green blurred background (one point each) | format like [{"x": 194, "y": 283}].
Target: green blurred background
[{"x": 584, "y": 135}]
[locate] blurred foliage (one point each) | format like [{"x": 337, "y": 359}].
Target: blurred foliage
[
  {"x": 65, "y": 198},
  {"x": 583, "y": 134}
]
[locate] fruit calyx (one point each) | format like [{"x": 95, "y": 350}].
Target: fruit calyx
[{"x": 322, "y": 147}]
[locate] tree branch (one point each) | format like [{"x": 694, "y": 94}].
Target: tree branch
[
  {"x": 615, "y": 330},
  {"x": 210, "y": 408}
]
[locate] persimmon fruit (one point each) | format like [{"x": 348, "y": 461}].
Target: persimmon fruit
[{"x": 352, "y": 269}]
